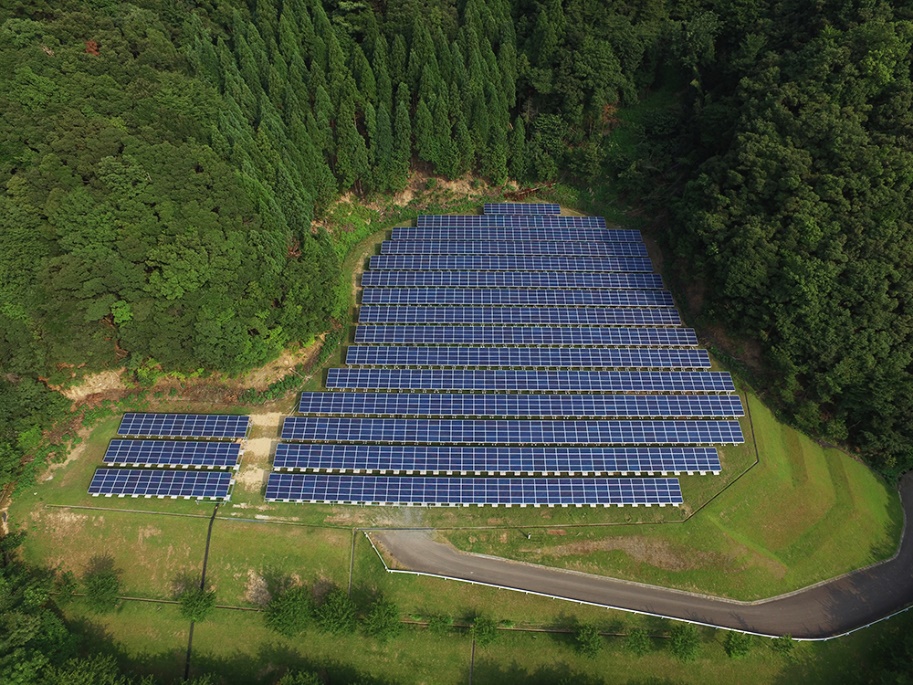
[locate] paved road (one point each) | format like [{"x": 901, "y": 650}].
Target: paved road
[{"x": 821, "y": 611}]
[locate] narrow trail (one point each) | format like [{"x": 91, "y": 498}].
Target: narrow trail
[{"x": 829, "y": 609}]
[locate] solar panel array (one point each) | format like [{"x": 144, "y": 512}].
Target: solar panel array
[
  {"x": 521, "y": 208},
  {"x": 516, "y": 297},
  {"x": 455, "y": 491},
  {"x": 516, "y": 343},
  {"x": 164, "y": 462},
  {"x": 475, "y": 460},
  {"x": 493, "y": 405},
  {"x": 529, "y": 335}
]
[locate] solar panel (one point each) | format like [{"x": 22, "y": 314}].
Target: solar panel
[
  {"x": 431, "y": 491},
  {"x": 510, "y": 432},
  {"x": 514, "y": 247},
  {"x": 504, "y": 279},
  {"x": 536, "y": 357},
  {"x": 529, "y": 461},
  {"x": 403, "y": 262},
  {"x": 521, "y": 208},
  {"x": 475, "y": 220},
  {"x": 517, "y": 297},
  {"x": 587, "y": 235},
  {"x": 184, "y": 425},
  {"x": 515, "y": 335},
  {"x": 519, "y": 406},
  {"x": 519, "y": 316},
  {"x": 161, "y": 483},
  {"x": 211, "y": 455},
  {"x": 530, "y": 381}
]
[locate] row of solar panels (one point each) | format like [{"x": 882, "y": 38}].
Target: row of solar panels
[
  {"x": 486, "y": 220},
  {"x": 524, "y": 406},
  {"x": 516, "y": 233},
  {"x": 217, "y": 426},
  {"x": 519, "y": 316},
  {"x": 516, "y": 297},
  {"x": 431, "y": 491},
  {"x": 520, "y": 248},
  {"x": 535, "y": 357},
  {"x": 423, "y": 459},
  {"x": 512, "y": 262},
  {"x": 521, "y": 208},
  {"x": 161, "y": 483},
  {"x": 501, "y": 380},
  {"x": 476, "y": 460},
  {"x": 509, "y": 432},
  {"x": 541, "y": 336},
  {"x": 507, "y": 279}
]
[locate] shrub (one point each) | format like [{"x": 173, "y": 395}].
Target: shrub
[
  {"x": 737, "y": 644},
  {"x": 383, "y": 621},
  {"x": 637, "y": 642},
  {"x": 101, "y": 583},
  {"x": 588, "y": 640},
  {"x": 685, "y": 642},
  {"x": 289, "y": 612},
  {"x": 337, "y": 613},
  {"x": 484, "y": 630},
  {"x": 196, "y": 603}
]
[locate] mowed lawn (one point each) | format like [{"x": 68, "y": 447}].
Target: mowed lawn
[{"x": 803, "y": 514}]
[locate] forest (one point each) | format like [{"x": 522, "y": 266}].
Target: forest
[{"x": 164, "y": 166}]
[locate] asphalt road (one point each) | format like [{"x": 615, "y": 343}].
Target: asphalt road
[{"x": 821, "y": 611}]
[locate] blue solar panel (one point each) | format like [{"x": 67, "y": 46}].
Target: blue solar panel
[
  {"x": 515, "y": 247},
  {"x": 184, "y": 425},
  {"x": 476, "y": 220},
  {"x": 492, "y": 405},
  {"x": 515, "y": 335},
  {"x": 517, "y": 297},
  {"x": 529, "y": 461},
  {"x": 504, "y": 279},
  {"x": 510, "y": 432},
  {"x": 430, "y": 491},
  {"x": 519, "y": 316},
  {"x": 521, "y": 208},
  {"x": 212, "y": 455},
  {"x": 537, "y": 357},
  {"x": 533, "y": 381},
  {"x": 161, "y": 483},
  {"x": 587, "y": 235},
  {"x": 402, "y": 262}
]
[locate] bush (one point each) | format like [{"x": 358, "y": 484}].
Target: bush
[
  {"x": 484, "y": 630},
  {"x": 101, "y": 583},
  {"x": 196, "y": 603},
  {"x": 440, "y": 625},
  {"x": 383, "y": 621},
  {"x": 737, "y": 644},
  {"x": 783, "y": 645},
  {"x": 637, "y": 642},
  {"x": 684, "y": 641},
  {"x": 289, "y": 612},
  {"x": 588, "y": 639},
  {"x": 337, "y": 613}
]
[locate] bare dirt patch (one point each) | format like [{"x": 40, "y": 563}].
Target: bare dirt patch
[
  {"x": 256, "y": 591},
  {"x": 251, "y": 478},
  {"x": 266, "y": 420},
  {"x": 277, "y": 369},
  {"x": 72, "y": 456},
  {"x": 96, "y": 384}
]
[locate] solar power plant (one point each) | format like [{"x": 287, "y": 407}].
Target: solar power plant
[
  {"x": 504, "y": 279},
  {"x": 521, "y": 208},
  {"x": 587, "y": 235},
  {"x": 530, "y": 381},
  {"x": 510, "y": 432},
  {"x": 528, "y": 461},
  {"x": 516, "y": 247},
  {"x": 210, "y": 455},
  {"x": 536, "y": 357},
  {"x": 161, "y": 483},
  {"x": 515, "y": 335},
  {"x": 403, "y": 262},
  {"x": 431, "y": 491},
  {"x": 519, "y": 316},
  {"x": 492, "y": 405},
  {"x": 184, "y": 426},
  {"x": 474, "y": 220},
  {"x": 517, "y": 297}
]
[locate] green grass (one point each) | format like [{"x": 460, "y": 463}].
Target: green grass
[{"x": 804, "y": 514}]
